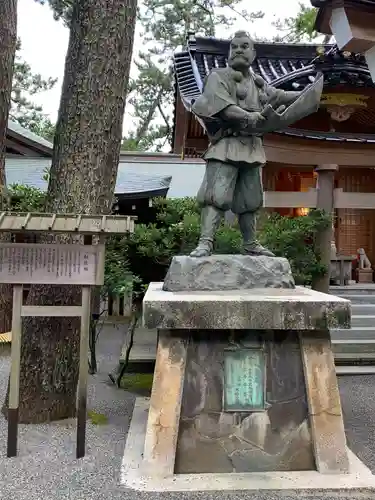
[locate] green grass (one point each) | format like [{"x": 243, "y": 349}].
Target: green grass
[
  {"x": 97, "y": 418},
  {"x": 137, "y": 382}
]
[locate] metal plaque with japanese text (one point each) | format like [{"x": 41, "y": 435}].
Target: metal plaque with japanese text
[
  {"x": 244, "y": 380},
  {"x": 24, "y": 263}
]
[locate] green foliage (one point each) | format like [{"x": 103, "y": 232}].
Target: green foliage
[
  {"x": 133, "y": 261},
  {"x": 97, "y": 418},
  {"x": 294, "y": 238},
  {"x": 26, "y": 199},
  {"x": 118, "y": 278},
  {"x": 62, "y": 9},
  {"x": 298, "y": 28},
  {"x": 166, "y": 25},
  {"x": 147, "y": 253},
  {"x": 27, "y": 84},
  {"x": 137, "y": 382}
]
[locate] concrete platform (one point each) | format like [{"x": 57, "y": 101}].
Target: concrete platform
[
  {"x": 255, "y": 309},
  {"x": 133, "y": 475}
]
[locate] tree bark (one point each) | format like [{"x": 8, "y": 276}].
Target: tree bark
[
  {"x": 82, "y": 180},
  {"x": 8, "y": 42}
]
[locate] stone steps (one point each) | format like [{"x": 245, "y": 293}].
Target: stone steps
[
  {"x": 355, "y": 334},
  {"x": 355, "y": 370},
  {"x": 357, "y": 345},
  {"x": 359, "y": 298},
  {"x": 363, "y": 309},
  {"x": 363, "y": 320},
  {"x": 352, "y": 289}
]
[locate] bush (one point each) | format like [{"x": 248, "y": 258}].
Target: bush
[
  {"x": 144, "y": 256},
  {"x": 149, "y": 250},
  {"x": 294, "y": 238},
  {"x": 26, "y": 198}
]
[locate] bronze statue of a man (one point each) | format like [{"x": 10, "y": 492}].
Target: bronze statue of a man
[{"x": 236, "y": 107}]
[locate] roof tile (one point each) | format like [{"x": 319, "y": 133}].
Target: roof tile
[
  {"x": 30, "y": 171},
  {"x": 18, "y": 129},
  {"x": 288, "y": 66}
]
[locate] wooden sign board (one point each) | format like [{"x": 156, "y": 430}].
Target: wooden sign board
[{"x": 24, "y": 263}]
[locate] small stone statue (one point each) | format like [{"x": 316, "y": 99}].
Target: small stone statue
[
  {"x": 236, "y": 108},
  {"x": 364, "y": 261}
]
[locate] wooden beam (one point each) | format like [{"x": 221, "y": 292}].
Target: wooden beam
[
  {"x": 51, "y": 311},
  {"x": 354, "y": 30},
  {"x": 198, "y": 143},
  {"x": 22, "y": 149},
  {"x": 296, "y": 199},
  {"x": 83, "y": 371},
  {"x": 293, "y": 151},
  {"x": 14, "y": 384},
  {"x": 66, "y": 223},
  {"x": 42, "y": 149},
  {"x": 180, "y": 126},
  {"x": 355, "y": 201},
  {"x": 290, "y": 199}
]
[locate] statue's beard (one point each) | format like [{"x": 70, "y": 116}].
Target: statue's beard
[{"x": 239, "y": 63}]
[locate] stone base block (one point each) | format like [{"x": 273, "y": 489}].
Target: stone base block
[
  {"x": 219, "y": 436},
  {"x": 257, "y": 309},
  {"x": 365, "y": 275},
  {"x": 295, "y": 484},
  {"x": 244, "y": 383},
  {"x": 227, "y": 272}
]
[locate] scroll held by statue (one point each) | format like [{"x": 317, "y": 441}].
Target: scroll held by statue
[
  {"x": 306, "y": 104},
  {"x": 221, "y": 91}
]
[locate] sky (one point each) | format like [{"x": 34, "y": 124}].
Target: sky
[{"x": 44, "y": 40}]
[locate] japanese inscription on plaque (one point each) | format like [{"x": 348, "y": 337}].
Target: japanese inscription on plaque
[
  {"x": 244, "y": 380},
  {"x": 48, "y": 264}
]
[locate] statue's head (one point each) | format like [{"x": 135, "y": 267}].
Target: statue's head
[{"x": 242, "y": 51}]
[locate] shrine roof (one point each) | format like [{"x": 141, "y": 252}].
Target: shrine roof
[
  {"x": 140, "y": 175},
  {"x": 274, "y": 61},
  {"x": 130, "y": 183},
  {"x": 20, "y": 137},
  {"x": 359, "y": 3},
  {"x": 284, "y": 65}
]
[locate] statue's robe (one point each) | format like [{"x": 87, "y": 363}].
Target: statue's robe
[
  {"x": 234, "y": 159},
  {"x": 251, "y": 94}
]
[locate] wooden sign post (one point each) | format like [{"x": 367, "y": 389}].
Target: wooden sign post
[{"x": 54, "y": 264}]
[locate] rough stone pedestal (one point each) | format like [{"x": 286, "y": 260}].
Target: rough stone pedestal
[
  {"x": 292, "y": 328},
  {"x": 227, "y": 272},
  {"x": 192, "y": 441}
]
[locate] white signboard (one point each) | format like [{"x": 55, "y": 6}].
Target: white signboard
[{"x": 24, "y": 263}]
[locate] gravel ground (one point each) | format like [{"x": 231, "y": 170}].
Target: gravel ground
[{"x": 46, "y": 468}]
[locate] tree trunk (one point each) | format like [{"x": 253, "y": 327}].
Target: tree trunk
[
  {"x": 82, "y": 180},
  {"x": 8, "y": 40}
]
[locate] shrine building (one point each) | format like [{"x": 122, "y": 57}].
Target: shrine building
[{"x": 337, "y": 142}]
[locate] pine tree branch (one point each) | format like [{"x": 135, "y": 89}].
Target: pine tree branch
[
  {"x": 142, "y": 130},
  {"x": 165, "y": 118}
]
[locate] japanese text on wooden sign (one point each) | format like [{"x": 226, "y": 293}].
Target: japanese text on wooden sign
[{"x": 48, "y": 264}]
